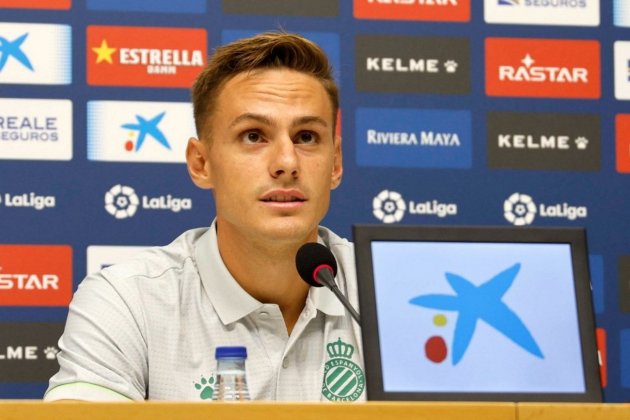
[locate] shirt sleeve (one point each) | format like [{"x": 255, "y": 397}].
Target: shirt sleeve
[{"x": 103, "y": 353}]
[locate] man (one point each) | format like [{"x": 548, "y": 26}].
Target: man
[{"x": 265, "y": 111}]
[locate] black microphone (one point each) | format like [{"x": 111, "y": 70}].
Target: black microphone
[{"x": 317, "y": 266}]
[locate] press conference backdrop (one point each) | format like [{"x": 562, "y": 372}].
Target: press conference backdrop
[{"x": 495, "y": 112}]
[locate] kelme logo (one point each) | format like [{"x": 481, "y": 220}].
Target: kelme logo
[
  {"x": 205, "y": 386},
  {"x": 343, "y": 379}
]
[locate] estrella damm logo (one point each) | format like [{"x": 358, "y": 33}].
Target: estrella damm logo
[
  {"x": 343, "y": 379},
  {"x": 142, "y": 56}
]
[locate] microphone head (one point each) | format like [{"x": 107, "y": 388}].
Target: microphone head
[{"x": 310, "y": 257}]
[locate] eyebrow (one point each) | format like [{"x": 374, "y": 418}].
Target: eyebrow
[{"x": 267, "y": 121}]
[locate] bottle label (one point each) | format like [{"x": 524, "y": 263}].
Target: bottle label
[{"x": 343, "y": 379}]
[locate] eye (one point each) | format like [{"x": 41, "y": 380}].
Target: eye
[
  {"x": 306, "y": 137},
  {"x": 252, "y": 137}
]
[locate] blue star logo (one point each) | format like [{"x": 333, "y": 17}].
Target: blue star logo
[
  {"x": 13, "y": 49},
  {"x": 148, "y": 127},
  {"x": 481, "y": 302}
]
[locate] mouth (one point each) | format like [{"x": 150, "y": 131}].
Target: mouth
[{"x": 283, "y": 197}]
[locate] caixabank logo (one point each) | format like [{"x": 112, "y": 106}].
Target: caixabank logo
[
  {"x": 413, "y": 138},
  {"x": 35, "y": 275},
  {"x": 144, "y": 56},
  {"x": 552, "y": 141},
  {"x": 521, "y": 210},
  {"x": 323, "y": 8},
  {"x": 125, "y": 131},
  {"x": 36, "y": 129},
  {"x": 429, "y": 10},
  {"x": 547, "y": 68},
  {"x": 122, "y": 202},
  {"x": 621, "y": 13},
  {"x": 543, "y": 12},
  {"x": 28, "y": 351},
  {"x": 34, "y": 53},
  {"x": 412, "y": 64},
  {"x": 156, "y": 6},
  {"x": 390, "y": 207},
  {"x": 39, "y": 4}
]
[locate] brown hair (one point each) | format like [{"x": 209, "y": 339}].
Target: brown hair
[{"x": 263, "y": 51}]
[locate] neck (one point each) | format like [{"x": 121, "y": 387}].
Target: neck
[{"x": 266, "y": 271}]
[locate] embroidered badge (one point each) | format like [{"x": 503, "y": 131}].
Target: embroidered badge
[
  {"x": 343, "y": 379},
  {"x": 206, "y": 387}
]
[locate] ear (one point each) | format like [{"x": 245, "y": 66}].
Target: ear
[
  {"x": 198, "y": 163},
  {"x": 337, "y": 171}
]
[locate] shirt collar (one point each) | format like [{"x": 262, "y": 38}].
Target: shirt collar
[{"x": 230, "y": 300}]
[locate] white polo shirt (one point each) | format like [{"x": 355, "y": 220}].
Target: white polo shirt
[{"x": 148, "y": 329}]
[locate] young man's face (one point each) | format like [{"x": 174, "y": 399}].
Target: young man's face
[{"x": 272, "y": 157}]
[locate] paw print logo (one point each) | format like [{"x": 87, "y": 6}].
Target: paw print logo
[
  {"x": 450, "y": 66},
  {"x": 206, "y": 387},
  {"x": 51, "y": 353}
]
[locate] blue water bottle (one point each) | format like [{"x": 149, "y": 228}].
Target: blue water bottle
[{"x": 231, "y": 379}]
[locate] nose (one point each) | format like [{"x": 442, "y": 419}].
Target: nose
[{"x": 284, "y": 160}]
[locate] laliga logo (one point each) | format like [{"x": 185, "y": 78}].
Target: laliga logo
[
  {"x": 121, "y": 201},
  {"x": 389, "y": 206},
  {"x": 519, "y": 209}
]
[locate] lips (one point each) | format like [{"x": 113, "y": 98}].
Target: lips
[{"x": 283, "y": 196}]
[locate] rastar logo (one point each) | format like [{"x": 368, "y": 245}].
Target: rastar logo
[
  {"x": 520, "y": 210},
  {"x": 139, "y": 56},
  {"x": 428, "y": 10},
  {"x": 542, "y": 68},
  {"x": 35, "y": 275},
  {"x": 39, "y": 4},
  {"x": 122, "y": 202},
  {"x": 390, "y": 207},
  {"x": 622, "y": 135}
]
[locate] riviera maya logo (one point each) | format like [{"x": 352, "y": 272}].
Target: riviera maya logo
[
  {"x": 343, "y": 379},
  {"x": 205, "y": 386},
  {"x": 388, "y": 206},
  {"x": 473, "y": 303}
]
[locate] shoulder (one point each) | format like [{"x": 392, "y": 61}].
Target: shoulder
[{"x": 156, "y": 262}]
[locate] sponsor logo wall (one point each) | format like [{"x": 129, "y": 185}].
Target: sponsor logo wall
[{"x": 494, "y": 112}]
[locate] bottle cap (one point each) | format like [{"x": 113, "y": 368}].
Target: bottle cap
[{"x": 231, "y": 352}]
